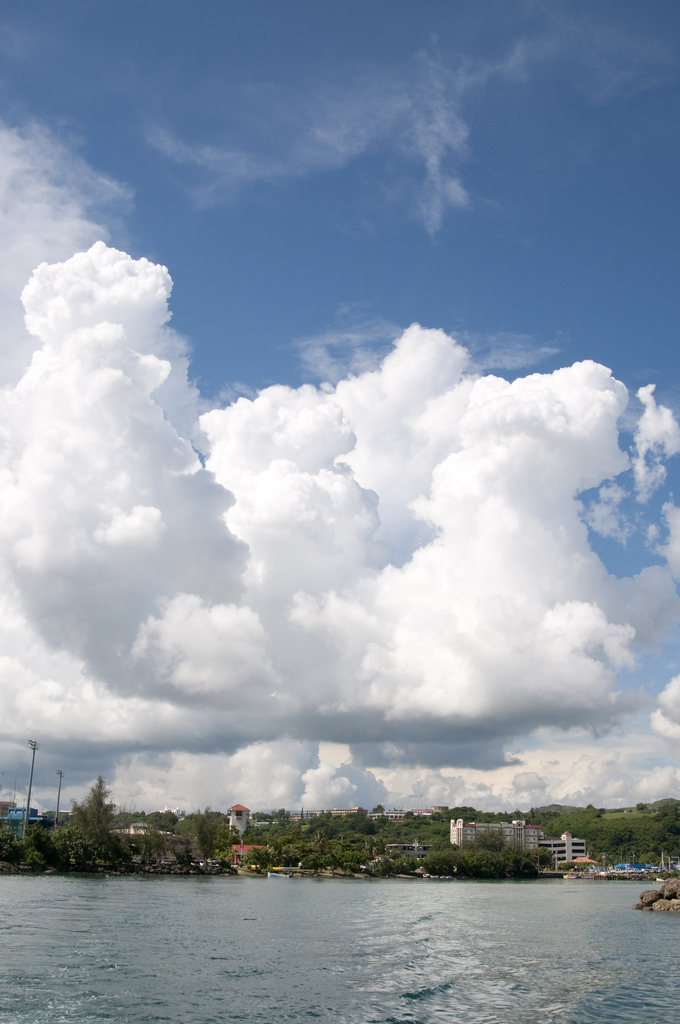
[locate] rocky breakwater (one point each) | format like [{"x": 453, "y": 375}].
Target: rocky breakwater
[{"x": 667, "y": 897}]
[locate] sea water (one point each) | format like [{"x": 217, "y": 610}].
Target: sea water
[{"x": 197, "y": 950}]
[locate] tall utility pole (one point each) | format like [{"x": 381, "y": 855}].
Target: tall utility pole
[
  {"x": 56, "y": 816},
  {"x": 34, "y": 746}
]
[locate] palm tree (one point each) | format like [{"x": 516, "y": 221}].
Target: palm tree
[
  {"x": 374, "y": 846},
  {"x": 320, "y": 843}
]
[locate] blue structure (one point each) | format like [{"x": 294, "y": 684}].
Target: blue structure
[{"x": 15, "y": 819}]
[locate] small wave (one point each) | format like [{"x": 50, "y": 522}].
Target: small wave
[{"x": 430, "y": 990}]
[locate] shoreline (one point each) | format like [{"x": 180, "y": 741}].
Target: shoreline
[{"x": 179, "y": 871}]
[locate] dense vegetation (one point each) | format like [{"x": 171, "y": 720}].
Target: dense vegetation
[
  {"x": 349, "y": 842},
  {"x": 92, "y": 835},
  {"x": 87, "y": 838},
  {"x": 641, "y": 834}
]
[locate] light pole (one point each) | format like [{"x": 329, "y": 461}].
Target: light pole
[
  {"x": 56, "y": 816},
  {"x": 34, "y": 746}
]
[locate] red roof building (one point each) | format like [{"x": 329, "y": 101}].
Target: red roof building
[{"x": 238, "y": 817}]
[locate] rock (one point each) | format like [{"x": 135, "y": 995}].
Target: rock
[{"x": 665, "y": 898}]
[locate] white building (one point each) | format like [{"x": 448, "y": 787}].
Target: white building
[
  {"x": 176, "y": 811},
  {"x": 396, "y": 814},
  {"x": 136, "y": 828},
  {"x": 514, "y": 833},
  {"x": 565, "y": 848},
  {"x": 238, "y": 817},
  {"x": 413, "y": 849}
]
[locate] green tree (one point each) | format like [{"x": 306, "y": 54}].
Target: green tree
[
  {"x": 385, "y": 866},
  {"x": 150, "y": 843},
  {"x": 205, "y": 826},
  {"x": 95, "y": 820},
  {"x": 374, "y": 846},
  {"x": 291, "y": 854},
  {"x": 320, "y": 844},
  {"x": 263, "y": 857},
  {"x": 37, "y": 848},
  {"x": 491, "y": 840},
  {"x": 71, "y": 847},
  {"x": 164, "y": 820},
  {"x": 312, "y": 862},
  {"x": 9, "y": 848},
  {"x": 182, "y": 851},
  {"x": 352, "y": 860},
  {"x": 155, "y": 842},
  {"x": 225, "y": 838},
  {"x": 444, "y": 861}
]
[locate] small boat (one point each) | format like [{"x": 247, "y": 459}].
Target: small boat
[{"x": 277, "y": 874}]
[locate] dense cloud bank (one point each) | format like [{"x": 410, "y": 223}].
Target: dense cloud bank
[{"x": 399, "y": 563}]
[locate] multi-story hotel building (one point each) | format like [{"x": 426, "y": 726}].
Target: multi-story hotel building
[
  {"x": 565, "y": 848},
  {"x": 521, "y": 836},
  {"x": 514, "y": 833}
]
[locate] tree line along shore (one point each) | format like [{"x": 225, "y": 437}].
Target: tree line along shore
[{"x": 97, "y": 835}]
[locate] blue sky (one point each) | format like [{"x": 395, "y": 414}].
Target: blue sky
[
  {"x": 316, "y": 178},
  {"x": 277, "y": 159}
]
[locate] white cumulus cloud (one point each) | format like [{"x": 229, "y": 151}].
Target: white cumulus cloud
[
  {"x": 398, "y": 564},
  {"x": 52, "y": 203},
  {"x": 657, "y": 437}
]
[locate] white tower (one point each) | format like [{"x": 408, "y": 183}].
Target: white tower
[{"x": 238, "y": 817}]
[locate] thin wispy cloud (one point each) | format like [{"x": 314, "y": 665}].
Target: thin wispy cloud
[
  {"x": 414, "y": 123},
  {"x": 615, "y": 61},
  {"x": 291, "y": 135},
  {"x": 351, "y": 346},
  {"x": 506, "y": 350},
  {"x": 414, "y": 120}
]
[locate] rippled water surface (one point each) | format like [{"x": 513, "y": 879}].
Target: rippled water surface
[{"x": 196, "y": 950}]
